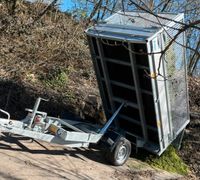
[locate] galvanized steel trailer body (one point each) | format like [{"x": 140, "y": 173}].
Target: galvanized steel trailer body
[{"x": 126, "y": 51}]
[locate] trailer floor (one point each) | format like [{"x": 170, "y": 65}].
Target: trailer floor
[{"x": 22, "y": 158}]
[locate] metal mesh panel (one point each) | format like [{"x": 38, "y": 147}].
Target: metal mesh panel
[{"x": 176, "y": 78}]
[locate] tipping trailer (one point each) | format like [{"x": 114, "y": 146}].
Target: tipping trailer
[
  {"x": 126, "y": 50},
  {"x": 144, "y": 93}
]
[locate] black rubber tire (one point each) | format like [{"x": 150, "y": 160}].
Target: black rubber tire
[{"x": 114, "y": 156}]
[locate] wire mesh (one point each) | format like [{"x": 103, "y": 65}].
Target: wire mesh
[{"x": 176, "y": 77}]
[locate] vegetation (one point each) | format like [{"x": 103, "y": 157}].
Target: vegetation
[
  {"x": 45, "y": 52},
  {"x": 169, "y": 161}
]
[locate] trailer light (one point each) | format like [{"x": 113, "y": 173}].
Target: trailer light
[{"x": 53, "y": 129}]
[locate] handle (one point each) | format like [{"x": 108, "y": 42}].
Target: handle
[{"x": 6, "y": 113}]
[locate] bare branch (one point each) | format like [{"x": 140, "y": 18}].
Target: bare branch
[
  {"x": 97, "y": 6},
  {"x": 41, "y": 14},
  {"x": 165, "y": 5},
  {"x": 192, "y": 25},
  {"x": 193, "y": 61}
]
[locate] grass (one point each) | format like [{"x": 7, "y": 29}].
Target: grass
[
  {"x": 69, "y": 95},
  {"x": 169, "y": 161},
  {"x": 57, "y": 78}
]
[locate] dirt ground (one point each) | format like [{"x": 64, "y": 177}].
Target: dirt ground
[{"x": 22, "y": 158}]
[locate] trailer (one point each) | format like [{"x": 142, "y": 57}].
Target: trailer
[
  {"x": 136, "y": 61},
  {"x": 144, "y": 92}
]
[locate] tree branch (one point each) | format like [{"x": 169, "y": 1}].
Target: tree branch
[{"x": 41, "y": 14}]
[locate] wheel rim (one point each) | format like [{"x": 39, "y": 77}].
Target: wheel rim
[{"x": 121, "y": 155}]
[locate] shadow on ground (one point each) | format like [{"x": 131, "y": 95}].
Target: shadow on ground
[
  {"x": 15, "y": 97},
  {"x": 13, "y": 142}
]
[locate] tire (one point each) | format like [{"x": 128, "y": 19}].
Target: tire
[{"x": 120, "y": 154}]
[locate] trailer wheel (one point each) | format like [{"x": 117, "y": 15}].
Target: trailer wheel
[{"x": 120, "y": 154}]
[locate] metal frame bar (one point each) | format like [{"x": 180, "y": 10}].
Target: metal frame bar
[
  {"x": 105, "y": 73},
  {"x": 166, "y": 89},
  {"x": 99, "y": 81},
  {"x": 37, "y": 135},
  {"x": 113, "y": 82},
  {"x": 116, "y": 61},
  {"x": 127, "y": 102},
  {"x": 186, "y": 70},
  {"x": 122, "y": 85},
  {"x": 106, "y": 126},
  {"x": 138, "y": 91},
  {"x": 155, "y": 95},
  {"x": 111, "y": 37},
  {"x": 136, "y": 122},
  {"x": 66, "y": 124},
  {"x": 133, "y": 40}
]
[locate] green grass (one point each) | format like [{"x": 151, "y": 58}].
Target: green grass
[
  {"x": 169, "y": 161},
  {"x": 58, "y": 80}
]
